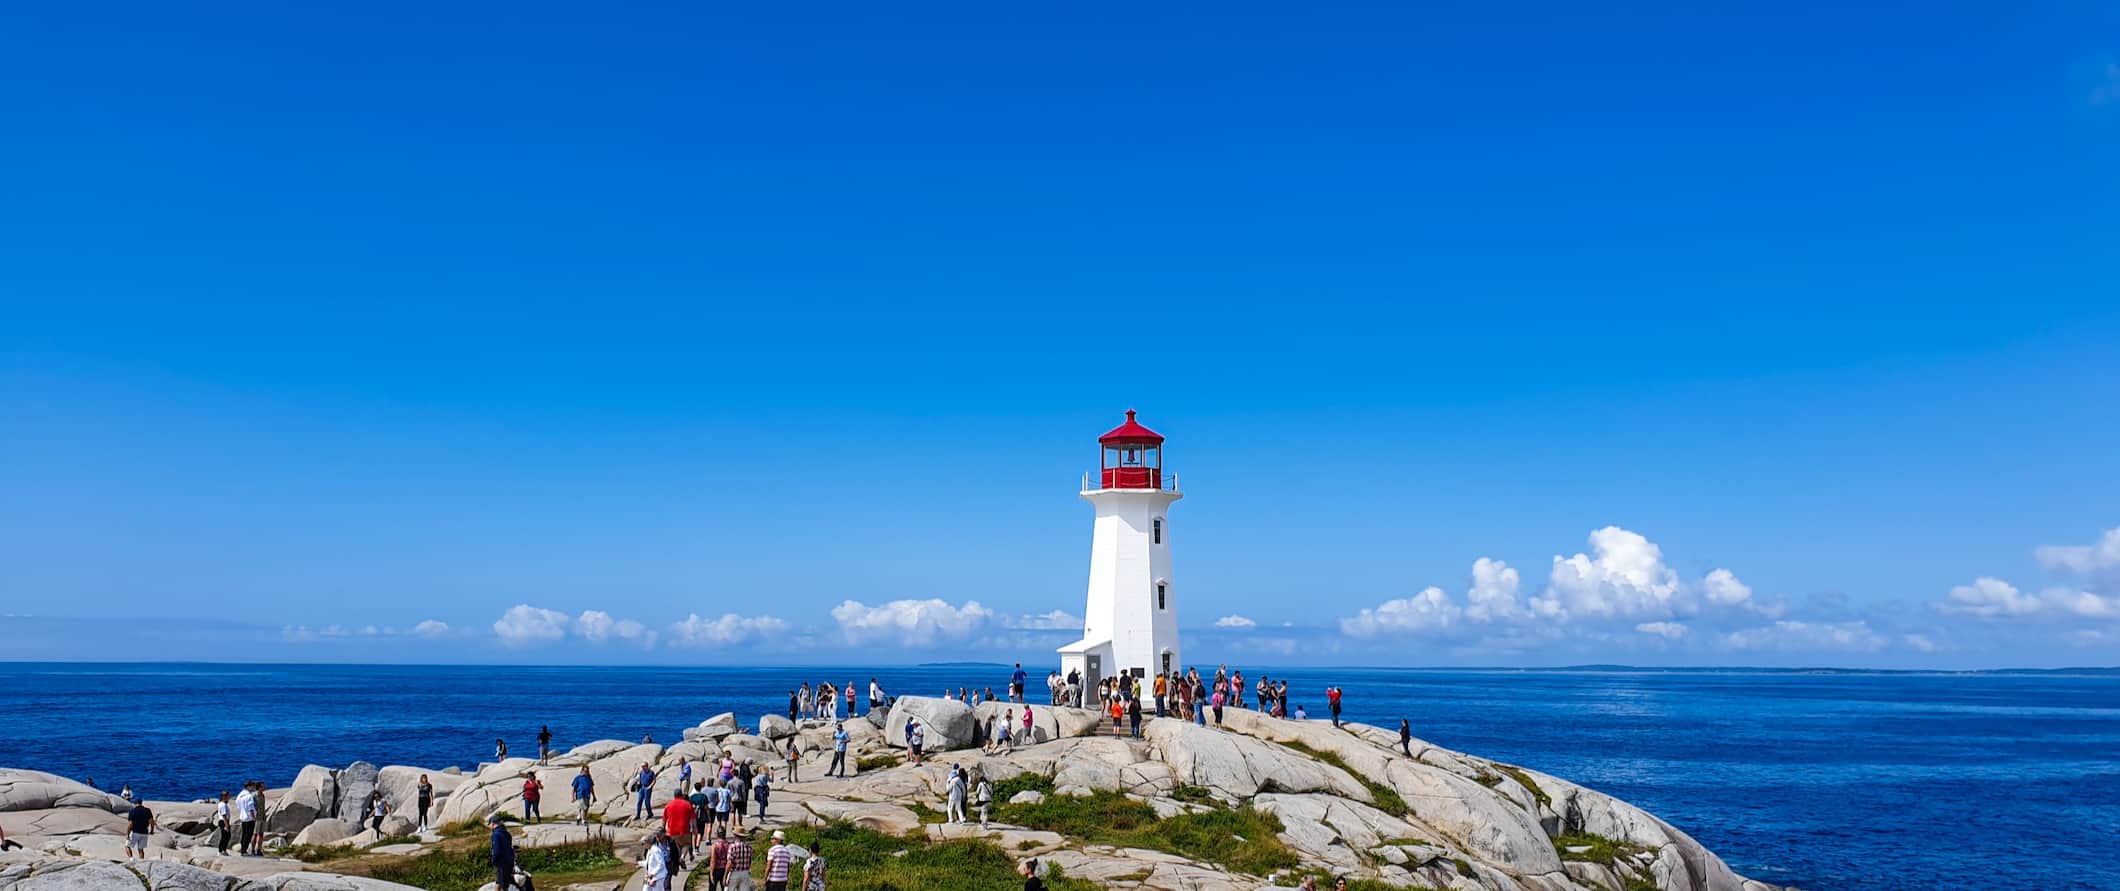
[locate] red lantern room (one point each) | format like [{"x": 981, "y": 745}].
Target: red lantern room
[{"x": 1133, "y": 456}]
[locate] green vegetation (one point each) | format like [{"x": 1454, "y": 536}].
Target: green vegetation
[
  {"x": 1114, "y": 819},
  {"x": 1465, "y": 869},
  {"x": 1194, "y": 794},
  {"x": 318, "y": 853},
  {"x": 1357, "y": 884},
  {"x": 867, "y": 763},
  {"x": 1022, "y": 782},
  {"x": 461, "y": 866},
  {"x": 1387, "y": 799},
  {"x": 1600, "y": 849},
  {"x": 1524, "y": 779},
  {"x": 867, "y": 860},
  {"x": 925, "y": 813}
]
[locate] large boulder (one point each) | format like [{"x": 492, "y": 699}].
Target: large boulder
[
  {"x": 183, "y": 817},
  {"x": 315, "y": 794},
  {"x": 401, "y": 787},
  {"x": 495, "y": 786},
  {"x": 356, "y": 783},
  {"x": 1333, "y": 831},
  {"x": 32, "y": 790},
  {"x": 325, "y": 831},
  {"x": 716, "y": 727},
  {"x": 949, "y": 723},
  {"x": 1487, "y": 823},
  {"x": 1680, "y": 861},
  {"x": 1237, "y": 767},
  {"x": 1047, "y": 723},
  {"x": 775, "y": 727},
  {"x": 169, "y": 875},
  {"x": 61, "y": 821},
  {"x": 66, "y": 874}
]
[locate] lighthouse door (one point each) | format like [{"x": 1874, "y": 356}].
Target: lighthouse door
[{"x": 1092, "y": 675}]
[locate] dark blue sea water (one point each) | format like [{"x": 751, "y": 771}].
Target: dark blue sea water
[{"x": 1828, "y": 780}]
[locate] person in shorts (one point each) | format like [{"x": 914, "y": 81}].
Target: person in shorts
[{"x": 139, "y": 823}]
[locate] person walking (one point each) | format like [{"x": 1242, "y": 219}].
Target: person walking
[
  {"x": 718, "y": 860},
  {"x": 740, "y": 794},
  {"x": 655, "y": 864},
  {"x": 644, "y": 787},
  {"x": 778, "y": 859},
  {"x": 1332, "y": 702},
  {"x": 956, "y": 795},
  {"x": 723, "y": 806},
  {"x": 813, "y": 870},
  {"x": 739, "y": 878},
  {"x": 984, "y": 798},
  {"x": 839, "y": 746},
  {"x": 761, "y": 787},
  {"x": 677, "y": 824},
  {"x": 533, "y": 792},
  {"x": 377, "y": 810},
  {"x": 425, "y": 800},
  {"x": 584, "y": 795},
  {"x": 139, "y": 824},
  {"x": 1406, "y": 737},
  {"x": 222, "y": 823},
  {"x": 502, "y": 856},
  {"x": 702, "y": 813}
]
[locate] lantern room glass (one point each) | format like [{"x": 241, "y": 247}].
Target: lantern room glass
[{"x": 1128, "y": 465}]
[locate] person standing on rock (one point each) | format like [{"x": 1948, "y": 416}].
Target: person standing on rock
[
  {"x": 584, "y": 795},
  {"x": 246, "y": 818},
  {"x": 500, "y": 749},
  {"x": 794, "y": 705},
  {"x": 140, "y": 822},
  {"x": 915, "y": 736},
  {"x": 740, "y": 793},
  {"x": 762, "y": 787},
  {"x": 875, "y": 694},
  {"x": 956, "y": 795},
  {"x": 793, "y": 756},
  {"x": 377, "y": 810},
  {"x": 983, "y": 797},
  {"x": 533, "y": 792},
  {"x": 222, "y": 823},
  {"x": 850, "y": 699},
  {"x": 644, "y": 788},
  {"x": 1236, "y": 689},
  {"x": 1161, "y": 689},
  {"x": 1133, "y": 715},
  {"x": 839, "y": 745},
  {"x": 1406, "y": 737},
  {"x": 1025, "y": 737},
  {"x": 544, "y": 742},
  {"x": 1332, "y": 702},
  {"x": 503, "y": 854},
  {"x": 1015, "y": 685},
  {"x": 426, "y": 800}
]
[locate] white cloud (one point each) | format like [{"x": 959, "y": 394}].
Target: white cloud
[
  {"x": 2090, "y": 559},
  {"x": 597, "y": 626},
  {"x": 524, "y": 624},
  {"x": 1988, "y": 598},
  {"x": 1053, "y": 621},
  {"x": 1919, "y": 643},
  {"x": 729, "y": 630},
  {"x": 1665, "y": 630},
  {"x": 431, "y": 628},
  {"x": 1493, "y": 596},
  {"x": 1626, "y": 579},
  {"x": 1430, "y": 610},
  {"x": 910, "y": 622},
  {"x": 1235, "y": 622},
  {"x": 1787, "y": 634}
]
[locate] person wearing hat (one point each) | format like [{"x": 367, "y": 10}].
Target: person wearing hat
[
  {"x": 778, "y": 861},
  {"x": 503, "y": 856},
  {"x": 655, "y": 862},
  {"x": 739, "y": 878}
]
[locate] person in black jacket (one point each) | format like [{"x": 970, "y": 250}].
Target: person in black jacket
[{"x": 503, "y": 857}]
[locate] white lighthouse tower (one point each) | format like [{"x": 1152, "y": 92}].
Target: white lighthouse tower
[{"x": 1130, "y": 621}]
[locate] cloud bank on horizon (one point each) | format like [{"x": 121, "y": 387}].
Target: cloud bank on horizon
[{"x": 1618, "y": 600}]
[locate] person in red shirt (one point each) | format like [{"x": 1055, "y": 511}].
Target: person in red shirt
[
  {"x": 1332, "y": 698},
  {"x": 677, "y": 821},
  {"x": 531, "y": 788}
]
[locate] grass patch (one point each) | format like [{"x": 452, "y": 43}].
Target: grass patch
[
  {"x": 1524, "y": 779},
  {"x": 1359, "y": 884},
  {"x": 867, "y": 763},
  {"x": 1387, "y": 799},
  {"x": 1022, "y": 782},
  {"x": 1194, "y": 794},
  {"x": 462, "y": 866},
  {"x": 925, "y": 813},
  {"x": 1600, "y": 850},
  {"x": 1114, "y": 819},
  {"x": 866, "y": 860},
  {"x": 318, "y": 853}
]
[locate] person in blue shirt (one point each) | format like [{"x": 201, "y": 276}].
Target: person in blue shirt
[
  {"x": 584, "y": 795},
  {"x": 645, "y": 784},
  {"x": 503, "y": 856},
  {"x": 839, "y": 751},
  {"x": 1015, "y": 685}
]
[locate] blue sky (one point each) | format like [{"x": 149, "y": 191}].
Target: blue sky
[{"x": 545, "y": 332}]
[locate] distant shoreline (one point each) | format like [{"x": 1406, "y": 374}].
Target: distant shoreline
[{"x": 861, "y": 667}]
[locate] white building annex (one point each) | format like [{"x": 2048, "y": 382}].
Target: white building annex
[{"x": 1130, "y": 618}]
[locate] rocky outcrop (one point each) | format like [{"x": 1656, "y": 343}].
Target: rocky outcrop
[
  {"x": 1047, "y": 723},
  {"x": 949, "y": 723},
  {"x": 30, "y": 790},
  {"x": 1236, "y": 767},
  {"x": 356, "y": 783},
  {"x": 714, "y": 728},
  {"x": 775, "y": 727},
  {"x": 315, "y": 794}
]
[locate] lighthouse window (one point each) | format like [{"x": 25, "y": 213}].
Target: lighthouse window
[
  {"x": 1162, "y": 596},
  {"x": 1159, "y": 530}
]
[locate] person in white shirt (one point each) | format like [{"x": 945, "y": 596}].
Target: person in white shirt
[
  {"x": 875, "y": 694},
  {"x": 223, "y": 817},
  {"x": 247, "y": 818},
  {"x": 656, "y": 864},
  {"x": 956, "y": 814}
]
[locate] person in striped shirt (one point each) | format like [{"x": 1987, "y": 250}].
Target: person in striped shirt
[{"x": 778, "y": 859}]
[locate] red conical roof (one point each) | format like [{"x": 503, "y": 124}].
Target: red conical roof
[{"x": 1131, "y": 433}]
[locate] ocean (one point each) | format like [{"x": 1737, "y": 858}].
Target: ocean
[{"x": 1829, "y": 780}]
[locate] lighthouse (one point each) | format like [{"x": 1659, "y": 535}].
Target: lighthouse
[{"x": 1130, "y": 617}]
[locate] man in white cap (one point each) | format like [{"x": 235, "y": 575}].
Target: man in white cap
[{"x": 778, "y": 861}]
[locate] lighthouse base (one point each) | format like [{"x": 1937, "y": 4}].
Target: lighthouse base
[{"x": 1090, "y": 661}]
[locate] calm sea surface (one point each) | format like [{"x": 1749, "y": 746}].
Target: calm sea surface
[{"x": 1828, "y": 780}]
